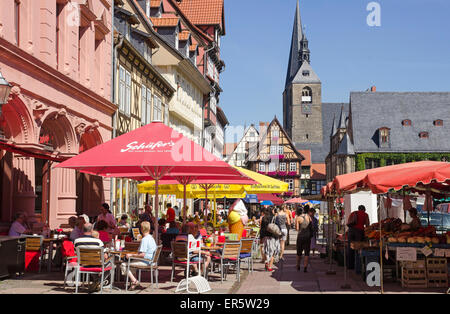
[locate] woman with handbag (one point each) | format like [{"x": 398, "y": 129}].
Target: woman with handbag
[
  {"x": 269, "y": 234},
  {"x": 304, "y": 227}
]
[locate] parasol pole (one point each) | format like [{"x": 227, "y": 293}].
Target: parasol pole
[
  {"x": 156, "y": 209},
  {"x": 330, "y": 237},
  {"x": 381, "y": 245},
  {"x": 346, "y": 285},
  {"x": 184, "y": 203}
]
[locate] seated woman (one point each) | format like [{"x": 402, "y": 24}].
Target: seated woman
[
  {"x": 195, "y": 232},
  {"x": 102, "y": 226},
  {"x": 162, "y": 226},
  {"x": 146, "y": 250},
  {"x": 123, "y": 221},
  {"x": 173, "y": 228}
]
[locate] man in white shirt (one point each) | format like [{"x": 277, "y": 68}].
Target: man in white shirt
[{"x": 18, "y": 226}]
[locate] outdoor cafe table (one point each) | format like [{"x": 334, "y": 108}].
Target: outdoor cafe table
[
  {"x": 50, "y": 242},
  {"x": 117, "y": 258}
]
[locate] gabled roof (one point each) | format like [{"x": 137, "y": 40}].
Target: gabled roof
[
  {"x": 300, "y": 78},
  {"x": 346, "y": 147},
  {"x": 390, "y": 109},
  {"x": 275, "y": 121},
  {"x": 204, "y": 12}
]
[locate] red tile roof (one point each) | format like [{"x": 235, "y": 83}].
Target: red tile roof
[
  {"x": 184, "y": 35},
  {"x": 165, "y": 21},
  {"x": 307, "y": 155},
  {"x": 155, "y": 3},
  {"x": 203, "y": 12},
  {"x": 318, "y": 172},
  {"x": 229, "y": 148}
]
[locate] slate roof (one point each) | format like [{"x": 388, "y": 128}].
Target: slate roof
[
  {"x": 319, "y": 151},
  {"x": 390, "y": 109}
]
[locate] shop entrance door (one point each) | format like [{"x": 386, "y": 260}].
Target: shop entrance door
[{"x": 42, "y": 189}]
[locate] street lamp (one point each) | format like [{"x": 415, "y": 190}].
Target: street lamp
[{"x": 5, "y": 89}]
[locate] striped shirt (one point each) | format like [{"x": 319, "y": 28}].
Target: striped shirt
[{"x": 88, "y": 241}]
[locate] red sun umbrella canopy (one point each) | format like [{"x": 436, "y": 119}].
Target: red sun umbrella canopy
[
  {"x": 154, "y": 151},
  {"x": 270, "y": 197},
  {"x": 296, "y": 201}
]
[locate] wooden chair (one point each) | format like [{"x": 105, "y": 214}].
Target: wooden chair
[
  {"x": 246, "y": 253},
  {"x": 179, "y": 257},
  {"x": 228, "y": 258},
  {"x": 33, "y": 252},
  {"x": 131, "y": 246},
  {"x": 91, "y": 260},
  {"x": 152, "y": 266}
]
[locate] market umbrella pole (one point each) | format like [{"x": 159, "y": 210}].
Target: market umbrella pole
[
  {"x": 346, "y": 285},
  {"x": 381, "y": 245},
  {"x": 330, "y": 240}
]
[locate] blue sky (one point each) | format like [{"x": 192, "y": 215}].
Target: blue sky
[{"x": 410, "y": 51}]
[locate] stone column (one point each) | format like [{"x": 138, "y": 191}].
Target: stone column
[{"x": 63, "y": 196}]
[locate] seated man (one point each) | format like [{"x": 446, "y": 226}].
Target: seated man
[
  {"x": 19, "y": 227},
  {"x": 90, "y": 240},
  {"x": 146, "y": 250}
]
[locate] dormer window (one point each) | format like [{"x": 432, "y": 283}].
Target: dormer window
[
  {"x": 438, "y": 123},
  {"x": 406, "y": 123},
  {"x": 384, "y": 137},
  {"x": 424, "y": 135}
]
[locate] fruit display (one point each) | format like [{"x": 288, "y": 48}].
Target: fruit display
[{"x": 394, "y": 231}]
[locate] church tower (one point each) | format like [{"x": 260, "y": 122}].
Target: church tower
[{"x": 302, "y": 97}]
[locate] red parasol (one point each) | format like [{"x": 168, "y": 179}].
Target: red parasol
[{"x": 152, "y": 152}]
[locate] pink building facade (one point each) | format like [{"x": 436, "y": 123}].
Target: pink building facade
[{"x": 57, "y": 54}]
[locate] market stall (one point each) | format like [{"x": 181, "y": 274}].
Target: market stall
[{"x": 417, "y": 255}]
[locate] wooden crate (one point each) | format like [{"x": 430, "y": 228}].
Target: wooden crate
[
  {"x": 419, "y": 264},
  {"x": 436, "y": 263},
  {"x": 437, "y": 273},
  {"x": 438, "y": 282},
  {"x": 414, "y": 278}
]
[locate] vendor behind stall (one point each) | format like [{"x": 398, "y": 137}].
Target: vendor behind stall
[
  {"x": 415, "y": 223},
  {"x": 357, "y": 222}
]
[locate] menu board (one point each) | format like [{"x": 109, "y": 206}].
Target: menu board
[{"x": 406, "y": 254}]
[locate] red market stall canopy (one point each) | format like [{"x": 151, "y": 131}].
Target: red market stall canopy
[
  {"x": 270, "y": 197},
  {"x": 423, "y": 176}
]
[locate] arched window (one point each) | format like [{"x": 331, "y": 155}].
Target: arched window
[
  {"x": 438, "y": 123},
  {"x": 307, "y": 95},
  {"x": 406, "y": 123}
]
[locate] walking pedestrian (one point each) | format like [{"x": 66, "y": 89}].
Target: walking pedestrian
[
  {"x": 270, "y": 241},
  {"x": 315, "y": 224},
  {"x": 303, "y": 225},
  {"x": 283, "y": 221}
]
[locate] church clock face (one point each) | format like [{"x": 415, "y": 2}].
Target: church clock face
[{"x": 306, "y": 108}]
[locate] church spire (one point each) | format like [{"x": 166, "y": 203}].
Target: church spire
[{"x": 297, "y": 36}]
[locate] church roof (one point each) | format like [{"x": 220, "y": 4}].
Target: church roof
[{"x": 423, "y": 109}]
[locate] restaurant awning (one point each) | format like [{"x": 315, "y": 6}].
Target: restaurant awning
[{"x": 30, "y": 153}]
